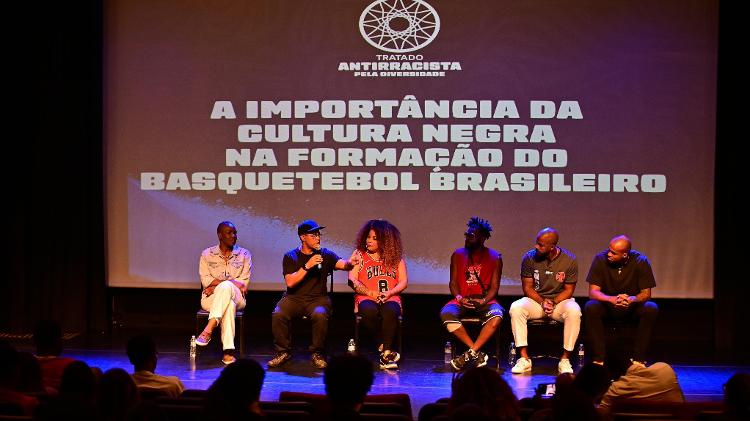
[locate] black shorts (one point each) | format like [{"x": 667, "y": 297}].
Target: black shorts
[{"x": 452, "y": 313}]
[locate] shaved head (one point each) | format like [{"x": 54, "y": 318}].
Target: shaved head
[
  {"x": 620, "y": 243},
  {"x": 619, "y": 247},
  {"x": 549, "y": 234},
  {"x": 225, "y": 224},
  {"x": 546, "y": 243}
]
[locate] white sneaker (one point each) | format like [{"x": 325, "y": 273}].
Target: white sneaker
[
  {"x": 564, "y": 366},
  {"x": 523, "y": 365}
]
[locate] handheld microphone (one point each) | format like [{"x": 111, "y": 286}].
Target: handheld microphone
[{"x": 316, "y": 250}]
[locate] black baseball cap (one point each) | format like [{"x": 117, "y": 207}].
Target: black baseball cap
[{"x": 308, "y": 226}]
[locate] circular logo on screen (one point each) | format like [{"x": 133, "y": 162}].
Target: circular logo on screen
[{"x": 399, "y": 26}]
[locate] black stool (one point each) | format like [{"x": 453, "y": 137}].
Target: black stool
[{"x": 544, "y": 321}]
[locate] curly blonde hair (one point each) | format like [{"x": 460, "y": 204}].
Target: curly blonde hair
[{"x": 389, "y": 241}]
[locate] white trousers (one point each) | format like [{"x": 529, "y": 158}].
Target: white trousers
[
  {"x": 566, "y": 311},
  {"x": 222, "y": 306}
]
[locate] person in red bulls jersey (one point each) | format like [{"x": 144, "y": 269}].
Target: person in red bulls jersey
[
  {"x": 475, "y": 278},
  {"x": 378, "y": 281}
]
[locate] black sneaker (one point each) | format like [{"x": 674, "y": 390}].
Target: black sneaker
[
  {"x": 389, "y": 361},
  {"x": 480, "y": 359},
  {"x": 279, "y": 359},
  {"x": 462, "y": 361},
  {"x": 318, "y": 361}
]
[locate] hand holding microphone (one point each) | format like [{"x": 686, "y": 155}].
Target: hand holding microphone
[{"x": 317, "y": 257}]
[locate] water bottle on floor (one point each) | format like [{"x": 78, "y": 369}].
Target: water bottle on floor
[
  {"x": 448, "y": 351},
  {"x": 512, "y": 354},
  {"x": 581, "y": 355},
  {"x": 192, "y": 349},
  {"x": 191, "y": 368},
  {"x": 351, "y": 348}
]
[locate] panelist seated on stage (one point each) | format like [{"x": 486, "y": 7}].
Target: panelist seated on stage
[
  {"x": 620, "y": 281},
  {"x": 378, "y": 280},
  {"x": 305, "y": 270},
  {"x": 548, "y": 277},
  {"x": 225, "y": 274},
  {"x": 142, "y": 354},
  {"x": 474, "y": 280}
]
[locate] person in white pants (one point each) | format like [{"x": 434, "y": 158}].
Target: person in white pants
[
  {"x": 225, "y": 274},
  {"x": 548, "y": 277}
]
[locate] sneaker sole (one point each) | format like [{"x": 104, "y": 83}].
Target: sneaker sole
[
  {"x": 389, "y": 366},
  {"x": 483, "y": 363},
  {"x": 286, "y": 360},
  {"x": 528, "y": 370},
  {"x": 319, "y": 366},
  {"x": 395, "y": 360}
]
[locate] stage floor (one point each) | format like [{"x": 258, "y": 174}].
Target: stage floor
[{"x": 424, "y": 379}]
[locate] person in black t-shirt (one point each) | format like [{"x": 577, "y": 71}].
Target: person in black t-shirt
[
  {"x": 620, "y": 282},
  {"x": 305, "y": 271}
]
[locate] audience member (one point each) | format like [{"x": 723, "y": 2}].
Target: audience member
[
  {"x": 347, "y": 379},
  {"x": 737, "y": 397},
  {"x": 571, "y": 404},
  {"x": 483, "y": 388},
  {"x": 12, "y": 401},
  {"x": 49, "y": 346},
  {"x": 633, "y": 381},
  {"x": 30, "y": 376},
  {"x": 76, "y": 398},
  {"x": 79, "y": 383},
  {"x": 142, "y": 353},
  {"x": 118, "y": 394},
  {"x": 235, "y": 395},
  {"x": 593, "y": 380}
]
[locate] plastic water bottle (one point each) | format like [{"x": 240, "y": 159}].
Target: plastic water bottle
[
  {"x": 448, "y": 352},
  {"x": 351, "y": 347},
  {"x": 512, "y": 354},
  {"x": 191, "y": 368},
  {"x": 192, "y": 351},
  {"x": 581, "y": 355}
]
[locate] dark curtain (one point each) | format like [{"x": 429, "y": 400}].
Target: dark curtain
[
  {"x": 54, "y": 173},
  {"x": 732, "y": 245}
]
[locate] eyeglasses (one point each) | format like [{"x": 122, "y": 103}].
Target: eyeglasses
[{"x": 314, "y": 234}]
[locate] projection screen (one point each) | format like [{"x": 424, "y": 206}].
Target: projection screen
[{"x": 595, "y": 118}]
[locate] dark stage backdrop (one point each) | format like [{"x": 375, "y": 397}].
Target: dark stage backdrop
[{"x": 596, "y": 118}]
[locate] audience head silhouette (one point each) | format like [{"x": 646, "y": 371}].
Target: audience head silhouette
[
  {"x": 348, "y": 379},
  {"x": 141, "y": 351},
  {"x": 483, "y": 387},
  {"x": 235, "y": 394},
  {"x": 48, "y": 338}
]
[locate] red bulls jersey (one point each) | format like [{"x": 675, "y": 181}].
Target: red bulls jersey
[{"x": 375, "y": 278}]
